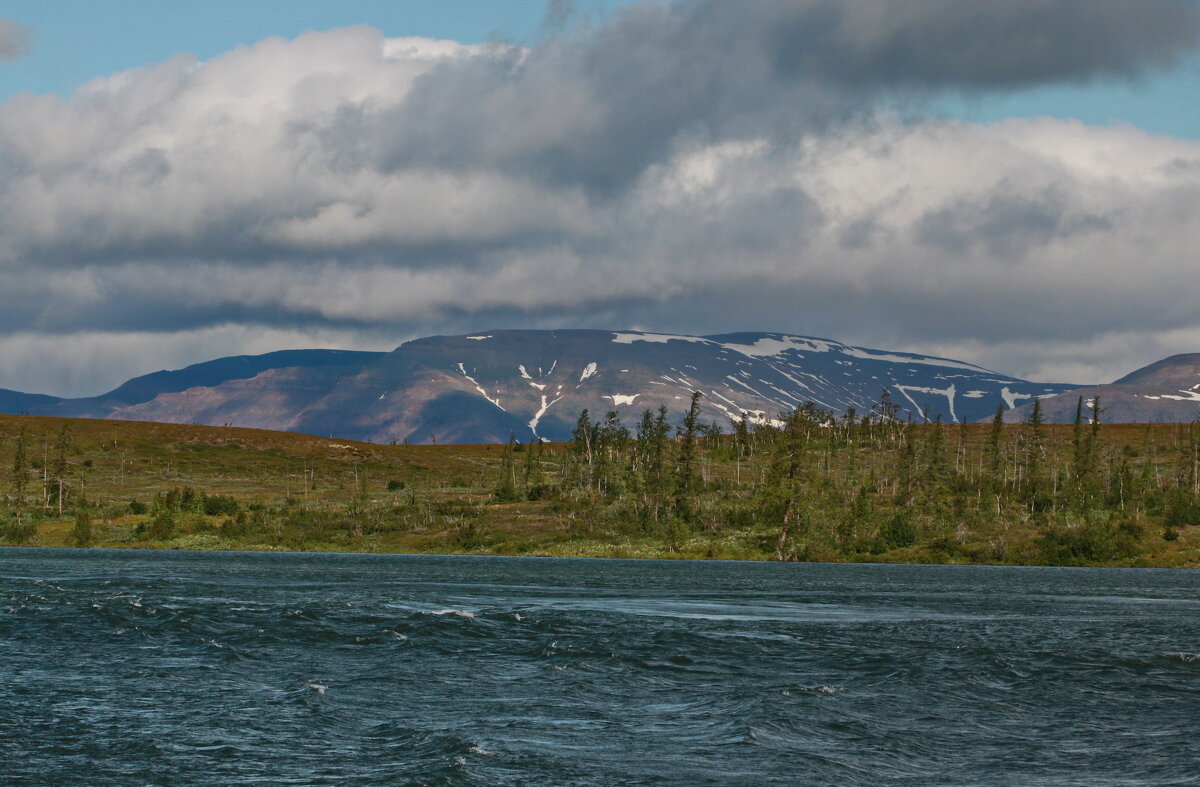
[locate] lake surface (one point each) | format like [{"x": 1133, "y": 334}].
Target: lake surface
[{"x": 123, "y": 667}]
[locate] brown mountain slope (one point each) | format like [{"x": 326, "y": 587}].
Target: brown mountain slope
[{"x": 1166, "y": 391}]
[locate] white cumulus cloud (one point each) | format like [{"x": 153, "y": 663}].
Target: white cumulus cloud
[{"x": 346, "y": 189}]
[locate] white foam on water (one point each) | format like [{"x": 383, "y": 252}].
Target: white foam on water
[
  {"x": 462, "y": 613},
  {"x": 317, "y": 687}
]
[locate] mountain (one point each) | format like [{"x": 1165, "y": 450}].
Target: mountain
[
  {"x": 533, "y": 384},
  {"x": 206, "y": 374},
  {"x": 1166, "y": 391},
  {"x": 17, "y": 402}
]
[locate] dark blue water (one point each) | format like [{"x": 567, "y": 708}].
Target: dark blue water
[{"x": 235, "y": 668}]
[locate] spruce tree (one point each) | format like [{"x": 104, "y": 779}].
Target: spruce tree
[
  {"x": 506, "y": 487},
  {"x": 995, "y": 452},
  {"x": 81, "y": 533},
  {"x": 1032, "y": 458},
  {"x": 685, "y": 477},
  {"x": 20, "y": 467},
  {"x": 57, "y": 478}
]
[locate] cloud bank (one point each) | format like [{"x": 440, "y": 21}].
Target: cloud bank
[
  {"x": 690, "y": 166},
  {"x": 14, "y": 39}
]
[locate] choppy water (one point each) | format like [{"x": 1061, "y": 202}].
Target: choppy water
[{"x": 233, "y": 668}]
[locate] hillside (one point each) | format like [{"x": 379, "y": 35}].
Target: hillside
[
  {"x": 1166, "y": 391},
  {"x": 487, "y": 387},
  {"x": 882, "y": 491}
]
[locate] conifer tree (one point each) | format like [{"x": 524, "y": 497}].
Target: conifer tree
[
  {"x": 81, "y": 533},
  {"x": 785, "y": 482},
  {"x": 1032, "y": 458},
  {"x": 685, "y": 478},
  {"x": 995, "y": 449},
  {"x": 57, "y": 478},
  {"x": 20, "y": 466},
  {"x": 506, "y": 489}
]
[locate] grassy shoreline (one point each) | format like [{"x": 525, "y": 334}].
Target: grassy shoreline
[{"x": 168, "y": 486}]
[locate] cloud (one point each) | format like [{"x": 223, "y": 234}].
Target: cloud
[
  {"x": 14, "y": 39},
  {"x": 558, "y": 14},
  {"x": 693, "y": 166},
  {"x": 92, "y": 363}
]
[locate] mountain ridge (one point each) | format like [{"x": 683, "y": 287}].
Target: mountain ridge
[
  {"x": 492, "y": 385},
  {"x": 1166, "y": 391}
]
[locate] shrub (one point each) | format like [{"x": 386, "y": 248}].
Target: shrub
[
  {"x": 14, "y": 531},
  {"x": 162, "y": 527},
  {"x": 1094, "y": 542},
  {"x": 1180, "y": 508},
  {"x": 220, "y": 505},
  {"x": 81, "y": 533},
  {"x": 900, "y": 531}
]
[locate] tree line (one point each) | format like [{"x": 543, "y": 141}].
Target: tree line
[{"x": 807, "y": 484}]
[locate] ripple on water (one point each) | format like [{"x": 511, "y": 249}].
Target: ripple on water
[{"x": 296, "y": 669}]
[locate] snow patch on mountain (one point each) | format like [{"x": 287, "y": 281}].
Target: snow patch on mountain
[
  {"x": 479, "y": 387},
  {"x": 537, "y": 417},
  {"x": 1189, "y": 396},
  {"x": 770, "y": 346},
  {"x": 926, "y": 360},
  {"x": 1011, "y": 397},
  {"x": 946, "y": 392},
  {"x": 658, "y": 338},
  {"x": 588, "y": 371}
]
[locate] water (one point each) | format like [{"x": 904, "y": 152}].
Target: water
[{"x": 175, "y": 668}]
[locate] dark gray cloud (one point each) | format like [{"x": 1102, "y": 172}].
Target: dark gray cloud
[
  {"x": 699, "y": 166},
  {"x": 14, "y": 39},
  {"x": 597, "y": 108},
  {"x": 1007, "y": 223},
  {"x": 979, "y": 45},
  {"x": 559, "y": 14}
]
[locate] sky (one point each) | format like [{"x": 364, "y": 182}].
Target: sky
[{"x": 1012, "y": 184}]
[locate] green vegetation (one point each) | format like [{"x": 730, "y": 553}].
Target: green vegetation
[{"x": 806, "y": 486}]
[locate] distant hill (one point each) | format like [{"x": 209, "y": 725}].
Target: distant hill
[
  {"x": 533, "y": 384},
  {"x": 17, "y": 402},
  {"x": 207, "y": 374},
  {"x": 1166, "y": 391}
]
